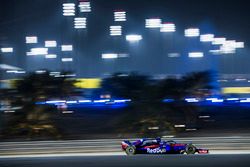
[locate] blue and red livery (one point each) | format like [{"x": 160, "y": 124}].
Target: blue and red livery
[{"x": 158, "y": 146}]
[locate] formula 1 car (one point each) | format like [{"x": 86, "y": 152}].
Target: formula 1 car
[{"x": 158, "y": 146}]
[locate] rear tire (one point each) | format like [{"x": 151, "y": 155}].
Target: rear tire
[
  {"x": 190, "y": 149},
  {"x": 130, "y": 150}
]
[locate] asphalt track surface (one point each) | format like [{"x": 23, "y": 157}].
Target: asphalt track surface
[{"x": 239, "y": 160}]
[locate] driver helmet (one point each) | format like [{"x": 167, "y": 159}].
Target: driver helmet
[{"x": 158, "y": 139}]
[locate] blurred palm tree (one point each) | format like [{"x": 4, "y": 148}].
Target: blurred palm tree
[
  {"x": 147, "y": 109},
  {"x": 126, "y": 86},
  {"x": 196, "y": 84},
  {"x": 34, "y": 120}
]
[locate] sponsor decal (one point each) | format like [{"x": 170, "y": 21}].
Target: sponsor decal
[{"x": 156, "y": 151}]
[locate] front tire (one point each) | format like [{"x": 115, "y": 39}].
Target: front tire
[
  {"x": 190, "y": 149},
  {"x": 130, "y": 150}
]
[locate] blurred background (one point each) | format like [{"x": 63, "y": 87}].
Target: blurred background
[{"x": 79, "y": 69}]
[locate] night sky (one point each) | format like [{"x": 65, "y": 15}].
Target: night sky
[{"x": 43, "y": 18}]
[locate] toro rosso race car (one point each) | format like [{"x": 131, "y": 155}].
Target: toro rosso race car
[{"x": 158, "y": 146}]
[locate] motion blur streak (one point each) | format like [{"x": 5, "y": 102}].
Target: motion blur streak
[{"x": 216, "y": 145}]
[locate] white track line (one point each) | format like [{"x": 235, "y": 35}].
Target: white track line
[
  {"x": 62, "y": 155},
  {"x": 216, "y": 152}
]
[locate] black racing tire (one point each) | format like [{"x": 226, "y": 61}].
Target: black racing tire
[
  {"x": 130, "y": 150},
  {"x": 190, "y": 149}
]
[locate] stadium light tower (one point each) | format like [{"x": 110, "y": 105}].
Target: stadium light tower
[
  {"x": 133, "y": 38},
  {"x": 80, "y": 23},
  {"x": 153, "y": 23},
  {"x": 84, "y": 6},
  {"x": 192, "y": 32},
  {"x": 69, "y": 9},
  {"x": 168, "y": 27},
  {"x": 115, "y": 30},
  {"x": 120, "y": 15}
]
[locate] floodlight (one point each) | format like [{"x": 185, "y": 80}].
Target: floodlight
[
  {"x": 6, "y": 50},
  {"x": 115, "y": 30},
  {"x": 207, "y": 38},
  {"x": 219, "y": 41},
  {"x": 66, "y": 48},
  {"x": 51, "y": 56},
  {"x": 153, "y": 23},
  {"x": 80, "y": 23},
  {"x": 196, "y": 54},
  {"x": 31, "y": 40},
  {"x": 239, "y": 45},
  {"x": 168, "y": 27},
  {"x": 84, "y": 6},
  {"x": 67, "y": 59},
  {"x": 120, "y": 16},
  {"x": 133, "y": 38},
  {"x": 38, "y": 51},
  {"x": 68, "y": 9},
  {"x": 174, "y": 55},
  {"x": 50, "y": 44},
  {"x": 109, "y": 56},
  {"x": 192, "y": 32}
]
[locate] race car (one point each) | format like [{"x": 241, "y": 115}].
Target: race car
[{"x": 158, "y": 146}]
